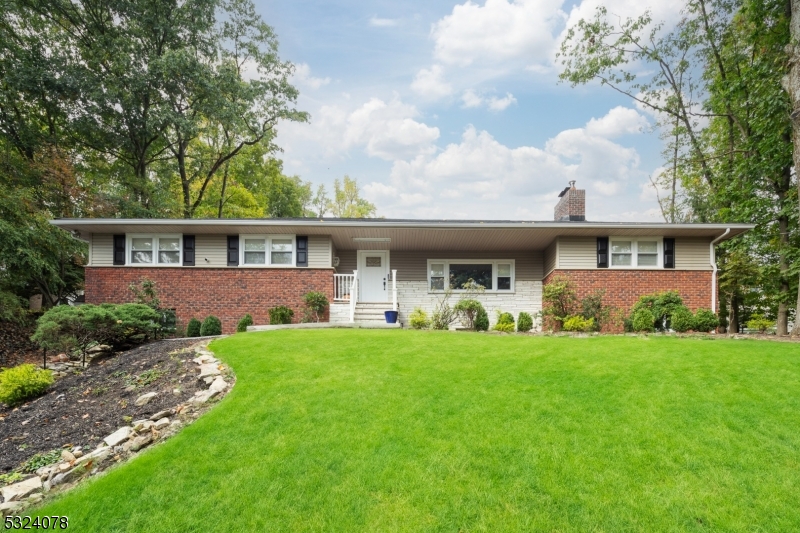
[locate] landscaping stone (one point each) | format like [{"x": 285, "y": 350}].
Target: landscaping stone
[
  {"x": 203, "y": 396},
  {"x": 142, "y": 425},
  {"x": 161, "y": 414},
  {"x": 160, "y": 424},
  {"x": 218, "y": 385},
  {"x": 8, "y": 508},
  {"x": 140, "y": 442},
  {"x": 118, "y": 436},
  {"x": 209, "y": 370},
  {"x": 144, "y": 398},
  {"x": 67, "y": 455},
  {"x": 35, "y": 498},
  {"x": 17, "y": 491}
]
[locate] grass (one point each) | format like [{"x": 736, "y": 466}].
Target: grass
[{"x": 347, "y": 430}]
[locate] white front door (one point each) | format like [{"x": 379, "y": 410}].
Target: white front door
[{"x": 373, "y": 274}]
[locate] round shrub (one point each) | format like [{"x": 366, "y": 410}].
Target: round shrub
[
  {"x": 316, "y": 303},
  {"x": 280, "y": 315},
  {"x": 578, "y": 323},
  {"x": 211, "y": 326},
  {"x": 504, "y": 327},
  {"x": 682, "y": 320},
  {"x": 505, "y": 322},
  {"x": 22, "y": 383},
  {"x": 642, "y": 320},
  {"x": 524, "y": 322},
  {"x": 468, "y": 309},
  {"x": 760, "y": 323},
  {"x": 193, "y": 328},
  {"x": 418, "y": 319},
  {"x": 482, "y": 320},
  {"x": 246, "y": 320},
  {"x": 705, "y": 320}
]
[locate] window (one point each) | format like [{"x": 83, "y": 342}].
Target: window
[
  {"x": 149, "y": 250},
  {"x": 636, "y": 253},
  {"x": 268, "y": 250},
  {"x": 493, "y": 275}
]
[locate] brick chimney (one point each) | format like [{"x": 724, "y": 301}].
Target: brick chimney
[{"x": 572, "y": 205}]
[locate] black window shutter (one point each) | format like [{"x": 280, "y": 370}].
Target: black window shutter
[
  {"x": 119, "y": 249},
  {"x": 188, "y": 250},
  {"x": 233, "y": 250},
  {"x": 602, "y": 252},
  {"x": 302, "y": 251},
  {"x": 669, "y": 253}
]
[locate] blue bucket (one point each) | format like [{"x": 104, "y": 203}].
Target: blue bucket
[{"x": 391, "y": 317}]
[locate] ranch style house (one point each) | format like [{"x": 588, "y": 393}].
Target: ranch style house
[{"x": 229, "y": 267}]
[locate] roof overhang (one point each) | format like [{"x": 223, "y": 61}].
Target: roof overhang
[{"x": 406, "y": 234}]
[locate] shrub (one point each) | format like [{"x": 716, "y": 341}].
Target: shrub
[
  {"x": 594, "y": 310},
  {"x": 682, "y": 320},
  {"x": 558, "y": 299},
  {"x": 280, "y": 315},
  {"x": 468, "y": 309},
  {"x": 145, "y": 293},
  {"x": 193, "y": 328},
  {"x": 760, "y": 323},
  {"x": 443, "y": 314},
  {"x": 11, "y": 309},
  {"x": 22, "y": 383},
  {"x": 505, "y": 322},
  {"x": 482, "y": 320},
  {"x": 66, "y": 328},
  {"x": 316, "y": 303},
  {"x": 661, "y": 305},
  {"x": 135, "y": 324},
  {"x": 524, "y": 322},
  {"x": 578, "y": 323},
  {"x": 246, "y": 320},
  {"x": 419, "y": 319},
  {"x": 642, "y": 320},
  {"x": 705, "y": 320},
  {"x": 211, "y": 326}
]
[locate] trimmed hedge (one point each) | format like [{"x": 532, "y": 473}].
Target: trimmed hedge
[
  {"x": 211, "y": 326},
  {"x": 246, "y": 320},
  {"x": 193, "y": 328},
  {"x": 524, "y": 322}
]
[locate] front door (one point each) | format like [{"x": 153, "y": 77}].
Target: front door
[{"x": 373, "y": 274}]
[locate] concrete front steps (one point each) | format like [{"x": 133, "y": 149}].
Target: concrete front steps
[{"x": 367, "y": 315}]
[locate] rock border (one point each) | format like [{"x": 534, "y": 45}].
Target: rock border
[{"x": 123, "y": 444}]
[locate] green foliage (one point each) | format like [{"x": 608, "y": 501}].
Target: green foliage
[
  {"x": 443, "y": 314},
  {"x": 482, "y": 320},
  {"x": 145, "y": 293},
  {"x": 705, "y": 320},
  {"x": 11, "y": 309},
  {"x": 316, "y": 303},
  {"x": 211, "y": 326},
  {"x": 41, "y": 459},
  {"x": 136, "y": 323},
  {"x": 23, "y": 382},
  {"x": 347, "y": 201},
  {"x": 11, "y": 477},
  {"x": 661, "y": 305},
  {"x": 642, "y": 320},
  {"x": 246, "y": 320},
  {"x": 468, "y": 310},
  {"x": 280, "y": 315},
  {"x": 505, "y": 322},
  {"x": 682, "y": 320},
  {"x": 193, "y": 328},
  {"x": 524, "y": 322},
  {"x": 578, "y": 323},
  {"x": 418, "y": 319},
  {"x": 559, "y": 300},
  {"x": 594, "y": 310},
  {"x": 760, "y": 323}
]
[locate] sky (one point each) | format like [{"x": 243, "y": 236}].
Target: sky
[{"x": 453, "y": 110}]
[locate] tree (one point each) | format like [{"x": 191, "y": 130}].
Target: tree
[
  {"x": 321, "y": 201},
  {"x": 347, "y": 202},
  {"x": 791, "y": 83}
]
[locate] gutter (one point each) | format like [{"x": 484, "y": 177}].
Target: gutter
[{"x": 713, "y": 256}]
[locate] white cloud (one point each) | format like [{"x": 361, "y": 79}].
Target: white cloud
[
  {"x": 471, "y": 99},
  {"x": 303, "y": 77},
  {"x": 500, "y": 104},
  {"x": 382, "y": 23},
  {"x": 618, "y": 121},
  {"x": 498, "y": 30},
  {"x": 430, "y": 83}
]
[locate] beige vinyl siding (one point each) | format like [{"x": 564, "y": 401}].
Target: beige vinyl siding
[
  {"x": 319, "y": 251},
  {"x": 348, "y": 261},
  {"x": 692, "y": 254},
  {"x": 551, "y": 257},
  {"x": 211, "y": 251},
  {"x": 577, "y": 252},
  {"x": 333, "y": 251},
  {"x": 102, "y": 250},
  {"x": 413, "y": 266}
]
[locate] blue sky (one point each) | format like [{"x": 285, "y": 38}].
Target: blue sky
[{"x": 454, "y": 110}]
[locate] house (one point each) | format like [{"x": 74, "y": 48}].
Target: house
[{"x": 230, "y": 267}]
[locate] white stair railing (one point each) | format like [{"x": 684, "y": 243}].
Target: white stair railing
[
  {"x": 342, "y": 284},
  {"x": 353, "y": 296},
  {"x": 394, "y": 290}
]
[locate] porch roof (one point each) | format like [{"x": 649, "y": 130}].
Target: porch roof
[{"x": 405, "y": 234}]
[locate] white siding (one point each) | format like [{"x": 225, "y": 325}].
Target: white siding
[
  {"x": 577, "y": 252},
  {"x": 319, "y": 251},
  {"x": 211, "y": 251},
  {"x": 551, "y": 257},
  {"x": 348, "y": 261},
  {"x": 102, "y": 250}
]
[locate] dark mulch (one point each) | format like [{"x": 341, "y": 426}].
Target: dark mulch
[
  {"x": 87, "y": 405},
  {"x": 16, "y": 346}
]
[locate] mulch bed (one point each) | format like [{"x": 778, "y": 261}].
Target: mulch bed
[
  {"x": 16, "y": 346},
  {"x": 89, "y": 404}
]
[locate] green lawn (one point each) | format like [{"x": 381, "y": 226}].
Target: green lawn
[{"x": 348, "y": 430}]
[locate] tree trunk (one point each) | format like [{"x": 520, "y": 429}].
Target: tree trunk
[
  {"x": 733, "y": 315},
  {"x": 783, "y": 305},
  {"x": 791, "y": 83},
  {"x": 222, "y": 193}
]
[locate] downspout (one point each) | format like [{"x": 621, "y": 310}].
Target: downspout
[{"x": 713, "y": 256}]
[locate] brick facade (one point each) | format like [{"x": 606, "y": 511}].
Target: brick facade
[
  {"x": 572, "y": 205},
  {"x": 225, "y": 293},
  {"x": 624, "y": 287}
]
